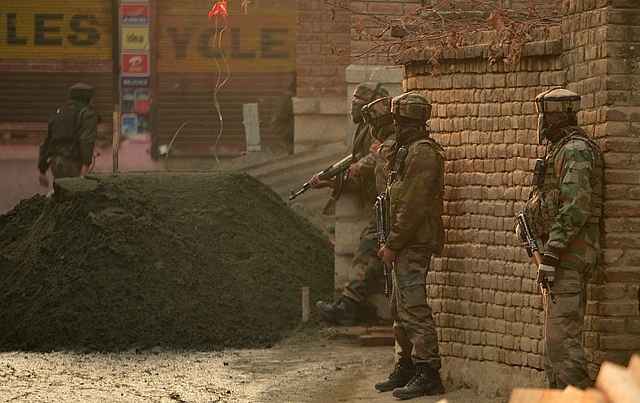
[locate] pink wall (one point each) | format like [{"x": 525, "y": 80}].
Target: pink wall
[{"x": 18, "y": 164}]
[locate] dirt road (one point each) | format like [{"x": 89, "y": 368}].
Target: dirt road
[
  {"x": 306, "y": 368},
  {"x": 118, "y": 261}
]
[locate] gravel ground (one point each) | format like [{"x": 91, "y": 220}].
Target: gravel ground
[{"x": 309, "y": 367}]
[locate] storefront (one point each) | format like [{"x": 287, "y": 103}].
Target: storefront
[{"x": 175, "y": 76}]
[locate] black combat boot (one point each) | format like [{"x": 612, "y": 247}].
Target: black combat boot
[
  {"x": 404, "y": 371},
  {"x": 426, "y": 382},
  {"x": 343, "y": 312}
]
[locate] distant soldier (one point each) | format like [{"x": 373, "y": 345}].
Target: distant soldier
[
  {"x": 282, "y": 119},
  {"x": 564, "y": 210},
  {"x": 71, "y": 133},
  {"x": 415, "y": 200}
]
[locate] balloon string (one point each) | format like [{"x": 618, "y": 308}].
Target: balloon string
[{"x": 220, "y": 81}]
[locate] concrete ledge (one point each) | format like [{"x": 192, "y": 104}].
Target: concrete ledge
[
  {"x": 320, "y": 106},
  {"x": 382, "y": 74}
]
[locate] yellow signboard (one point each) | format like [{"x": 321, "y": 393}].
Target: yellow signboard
[
  {"x": 261, "y": 40},
  {"x": 135, "y": 38},
  {"x": 70, "y": 29}
]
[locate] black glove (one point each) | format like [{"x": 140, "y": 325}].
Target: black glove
[{"x": 548, "y": 268}]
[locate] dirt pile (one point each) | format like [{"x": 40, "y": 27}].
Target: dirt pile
[{"x": 137, "y": 260}]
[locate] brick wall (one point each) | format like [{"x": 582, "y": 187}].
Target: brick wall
[
  {"x": 483, "y": 288},
  {"x": 323, "y": 46},
  {"x": 370, "y": 22},
  {"x": 323, "y": 40},
  {"x": 487, "y": 304},
  {"x": 332, "y": 58},
  {"x": 602, "y": 58}
]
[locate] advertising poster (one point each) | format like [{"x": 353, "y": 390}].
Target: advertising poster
[{"x": 135, "y": 70}]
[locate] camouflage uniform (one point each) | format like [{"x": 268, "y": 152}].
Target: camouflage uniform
[
  {"x": 282, "y": 120},
  {"x": 66, "y": 156},
  {"x": 564, "y": 212},
  {"x": 415, "y": 204},
  {"x": 365, "y": 265},
  {"x": 417, "y": 232}
]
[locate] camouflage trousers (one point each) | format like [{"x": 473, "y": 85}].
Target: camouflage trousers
[
  {"x": 366, "y": 268},
  {"x": 564, "y": 358},
  {"x": 63, "y": 167},
  {"x": 414, "y": 327}
]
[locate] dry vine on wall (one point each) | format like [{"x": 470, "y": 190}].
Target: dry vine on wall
[{"x": 435, "y": 28}]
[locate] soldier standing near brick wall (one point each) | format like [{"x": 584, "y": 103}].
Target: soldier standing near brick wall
[
  {"x": 415, "y": 196},
  {"x": 564, "y": 211},
  {"x": 365, "y": 265}
]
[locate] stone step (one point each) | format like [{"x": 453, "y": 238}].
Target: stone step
[
  {"x": 370, "y": 336},
  {"x": 283, "y": 172}
]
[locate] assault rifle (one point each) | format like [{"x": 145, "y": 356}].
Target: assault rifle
[
  {"x": 336, "y": 170},
  {"x": 532, "y": 250},
  {"x": 381, "y": 231},
  {"x": 382, "y": 223}
]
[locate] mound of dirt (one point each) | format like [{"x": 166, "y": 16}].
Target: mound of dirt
[{"x": 138, "y": 260}]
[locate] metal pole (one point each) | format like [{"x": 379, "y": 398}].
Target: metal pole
[{"x": 116, "y": 139}]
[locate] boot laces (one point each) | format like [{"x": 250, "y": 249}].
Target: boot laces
[
  {"x": 414, "y": 380},
  {"x": 400, "y": 369}
]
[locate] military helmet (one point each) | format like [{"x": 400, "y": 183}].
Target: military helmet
[
  {"x": 556, "y": 109},
  {"x": 557, "y": 100},
  {"x": 378, "y": 112},
  {"x": 378, "y": 115},
  {"x": 370, "y": 91},
  {"x": 412, "y": 106},
  {"x": 81, "y": 92}
]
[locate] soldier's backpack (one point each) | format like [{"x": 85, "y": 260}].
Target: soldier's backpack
[{"x": 63, "y": 124}]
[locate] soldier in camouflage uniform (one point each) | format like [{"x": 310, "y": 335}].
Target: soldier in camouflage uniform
[
  {"x": 365, "y": 266},
  {"x": 564, "y": 211},
  {"x": 416, "y": 231},
  {"x": 378, "y": 115},
  {"x": 71, "y": 133}
]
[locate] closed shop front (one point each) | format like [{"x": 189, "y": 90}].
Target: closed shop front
[
  {"x": 45, "y": 47},
  {"x": 198, "y": 71},
  {"x": 208, "y": 68}
]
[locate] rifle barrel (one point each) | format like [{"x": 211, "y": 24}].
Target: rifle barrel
[{"x": 303, "y": 189}]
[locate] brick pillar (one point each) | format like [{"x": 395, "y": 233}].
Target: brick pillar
[{"x": 602, "y": 60}]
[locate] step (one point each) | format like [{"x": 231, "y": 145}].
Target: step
[
  {"x": 370, "y": 336},
  {"x": 283, "y": 172}
]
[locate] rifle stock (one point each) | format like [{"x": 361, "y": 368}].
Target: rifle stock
[
  {"x": 531, "y": 246},
  {"x": 537, "y": 258},
  {"x": 330, "y": 172}
]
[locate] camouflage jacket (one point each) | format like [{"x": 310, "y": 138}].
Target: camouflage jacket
[
  {"x": 565, "y": 211},
  {"x": 81, "y": 147},
  {"x": 416, "y": 197},
  {"x": 365, "y": 181},
  {"x": 380, "y": 164}
]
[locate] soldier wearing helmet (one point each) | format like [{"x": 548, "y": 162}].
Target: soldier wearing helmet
[
  {"x": 366, "y": 268},
  {"x": 414, "y": 193},
  {"x": 564, "y": 211},
  {"x": 378, "y": 116},
  {"x": 71, "y": 133},
  {"x": 361, "y": 178}
]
